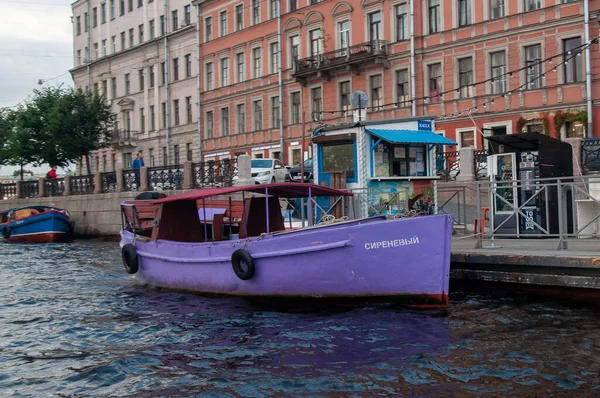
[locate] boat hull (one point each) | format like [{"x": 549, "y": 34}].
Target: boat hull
[
  {"x": 407, "y": 258},
  {"x": 50, "y": 226}
]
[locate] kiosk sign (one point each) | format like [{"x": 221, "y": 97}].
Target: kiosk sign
[{"x": 424, "y": 125}]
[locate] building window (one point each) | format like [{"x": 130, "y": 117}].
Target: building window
[
  {"x": 131, "y": 37},
  {"x": 113, "y": 13},
  {"x": 344, "y": 35},
  {"x": 142, "y": 121},
  {"x": 140, "y": 3},
  {"x": 209, "y": 76},
  {"x": 275, "y": 106},
  {"x": 572, "y": 60},
  {"x": 531, "y": 5},
  {"x": 188, "y": 65},
  {"x": 114, "y": 44},
  {"x": 127, "y": 84},
  {"x": 533, "y": 61},
  {"x": 114, "y": 87},
  {"x": 401, "y": 22},
  {"x": 317, "y": 103},
  {"x": 258, "y": 122},
  {"x": 293, "y": 5},
  {"x": 345, "y": 98},
  {"x": 434, "y": 15},
  {"x": 95, "y": 50},
  {"x": 575, "y": 129},
  {"x": 376, "y": 92},
  {"x": 176, "y": 112},
  {"x": 152, "y": 76},
  {"x": 86, "y": 22},
  {"x": 224, "y": 72},
  {"x": 78, "y": 57},
  {"x": 175, "y": 20},
  {"x": 340, "y": 157},
  {"x": 496, "y": 9},
  {"x": 208, "y": 29},
  {"x": 163, "y": 73},
  {"x": 151, "y": 157},
  {"x": 498, "y": 62},
  {"x": 315, "y": 42},
  {"x": 188, "y": 109},
  {"x": 78, "y": 25},
  {"x": 467, "y": 139},
  {"x": 223, "y": 19},
  {"x": 152, "y": 118},
  {"x": 165, "y": 156},
  {"x": 240, "y": 66},
  {"x": 274, "y": 8},
  {"x": 123, "y": 41},
  {"x": 175, "y": 69},
  {"x": 294, "y": 49},
  {"x": 103, "y": 13},
  {"x": 295, "y": 108},
  {"x": 375, "y": 28},
  {"x": 176, "y": 154},
  {"x": 141, "y": 79},
  {"x": 141, "y": 33},
  {"x": 239, "y": 17},
  {"x": 435, "y": 82},
  {"x": 255, "y": 12},
  {"x": 130, "y": 5},
  {"x": 163, "y": 25},
  {"x": 122, "y": 7},
  {"x": 241, "y": 118},
  {"x": 152, "y": 29},
  {"x": 104, "y": 47},
  {"x": 188, "y": 152},
  {"x": 210, "y": 124},
  {"x": 464, "y": 12},
  {"x": 163, "y": 108},
  {"x": 187, "y": 14},
  {"x": 256, "y": 56},
  {"x": 402, "y": 88},
  {"x": 127, "y": 120},
  {"x": 224, "y": 122},
  {"x": 465, "y": 77},
  {"x": 105, "y": 89},
  {"x": 274, "y": 57},
  {"x": 94, "y": 17}
]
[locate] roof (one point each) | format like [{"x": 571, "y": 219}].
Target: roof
[
  {"x": 282, "y": 190},
  {"x": 367, "y": 123},
  {"x": 525, "y": 141},
  {"x": 410, "y": 137}
]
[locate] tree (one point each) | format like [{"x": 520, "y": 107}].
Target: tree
[
  {"x": 59, "y": 126},
  {"x": 6, "y": 126}
]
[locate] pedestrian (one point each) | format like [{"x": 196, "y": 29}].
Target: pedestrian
[
  {"x": 51, "y": 175},
  {"x": 137, "y": 163}
]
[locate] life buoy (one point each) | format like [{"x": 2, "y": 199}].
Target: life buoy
[
  {"x": 243, "y": 271},
  {"x": 6, "y": 232},
  {"x": 130, "y": 258}
]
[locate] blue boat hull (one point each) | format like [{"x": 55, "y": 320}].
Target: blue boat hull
[{"x": 50, "y": 226}]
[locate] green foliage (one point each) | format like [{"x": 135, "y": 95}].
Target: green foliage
[
  {"x": 57, "y": 126},
  {"x": 17, "y": 173}
]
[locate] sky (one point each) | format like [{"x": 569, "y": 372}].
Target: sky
[{"x": 36, "y": 42}]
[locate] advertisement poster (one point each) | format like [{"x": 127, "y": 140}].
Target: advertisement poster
[{"x": 393, "y": 197}]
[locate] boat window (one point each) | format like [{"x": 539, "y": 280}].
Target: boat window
[
  {"x": 262, "y": 163},
  {"x": 339, "y": 157},
  {"x": 391, "y": 160}
]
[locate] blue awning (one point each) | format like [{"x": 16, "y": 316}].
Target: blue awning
[{"x": 411, "y": 137}]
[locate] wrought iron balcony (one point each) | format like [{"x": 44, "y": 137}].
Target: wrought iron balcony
[
  {"x": 349, "y": 58},
  {"x": 123, "y": 138}
]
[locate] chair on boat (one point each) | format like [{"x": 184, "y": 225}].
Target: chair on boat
[{"x": 131, "y": 219}]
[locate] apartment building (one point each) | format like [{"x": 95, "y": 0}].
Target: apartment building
[{"x": 238, "y": 78}]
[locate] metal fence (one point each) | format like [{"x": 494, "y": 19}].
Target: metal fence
[
  {"x": 215, "y": 173},
  {"x": 165, "y": 177},
  {"x": 82, "y": 185},
  {"x": 109, "y": 182},
  {"x": 54, "y": 187},
  {"x": 590, "y": 155},
  {"x": 8, "y": 191}
]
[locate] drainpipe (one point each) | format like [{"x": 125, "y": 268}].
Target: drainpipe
[
  {"x": 588, "y": 68},
  {"x": 198, "y": 77},
  {"x": 413, "y": 78},
  {"x": 280, "y": 82},
  {"x": 167, "y": 103},
  {"x": 89, "y": 46}
]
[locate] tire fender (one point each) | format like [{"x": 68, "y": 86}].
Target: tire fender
[
  {"x": 6, "y": 232},
  {"x": 239, "y": 258},
  {"x": 130, "y": 258}
]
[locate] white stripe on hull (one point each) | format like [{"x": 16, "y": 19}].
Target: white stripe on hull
[{"x": 39, "y": 233}]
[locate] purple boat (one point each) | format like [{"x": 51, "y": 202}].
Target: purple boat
[{"x": 183, "y": 242}]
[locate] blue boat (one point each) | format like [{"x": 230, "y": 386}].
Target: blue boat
[{"x": 37, "y": 224}]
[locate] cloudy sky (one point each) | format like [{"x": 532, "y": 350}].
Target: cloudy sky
[{"x": 36, "y": 42}]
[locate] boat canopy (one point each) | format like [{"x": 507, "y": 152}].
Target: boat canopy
[{"x": 282, "y": 190}]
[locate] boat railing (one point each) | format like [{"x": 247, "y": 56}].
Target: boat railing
[
  {"x": 54, "y": 187},
  {"x": 82, "y": 185}
]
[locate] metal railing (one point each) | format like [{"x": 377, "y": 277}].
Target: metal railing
[
  {"x": 165, "y": 177},
  {"x": 131, "y": 180},
  {"x": 561, "y": 208},
  {"x": 453, "y": 200},
  {"x": 82, "y": 185},
  {"x": 214, "y": 173},
  {"x": 481, "y": 164},
  {"x": 8, "y": 191},
  {"x": 590, "y": 155},
  {"x": 30, "y": 189},
  {"x": 109, "y": 182},
  {"x": 54, "y": 187},
  {"x": 341, "y": 56},
  {"x": 447, "y": 165}
]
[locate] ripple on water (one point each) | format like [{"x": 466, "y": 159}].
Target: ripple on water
[{"x": 75, "y": 324}]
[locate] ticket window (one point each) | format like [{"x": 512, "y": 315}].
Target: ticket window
[{"x": 392, "y": 160}]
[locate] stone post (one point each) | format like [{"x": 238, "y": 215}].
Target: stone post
[
  {"x": 467, "y": 164},
  {"x": 67, "y": 182},
  {"x": 98, "y": 182},
  {"x": 576, "y": 143},
  {"x": 144, "y": 185},
  {"x": 244, "y": 171},
  {"x": 120, "y": 181},
  {"x": 19, "y": 189},
  {"x": 188, "y": 175},
  {"x": 41, "y": 188}
]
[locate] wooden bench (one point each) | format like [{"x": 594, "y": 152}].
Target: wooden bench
[
  {"x": 232, "y": 216},
  {"x": 145, "y": 212}
]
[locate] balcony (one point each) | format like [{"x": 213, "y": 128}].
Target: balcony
[
  {"x": 123, "y": 138},
  {"x": 350, "y": 58}
]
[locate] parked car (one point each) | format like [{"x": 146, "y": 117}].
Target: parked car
[
  {"x": 265, "y": 171},
  {"x": 294, "y": 174}
]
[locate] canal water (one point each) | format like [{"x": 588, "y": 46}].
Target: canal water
[{"x": 73, "y": 324}]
